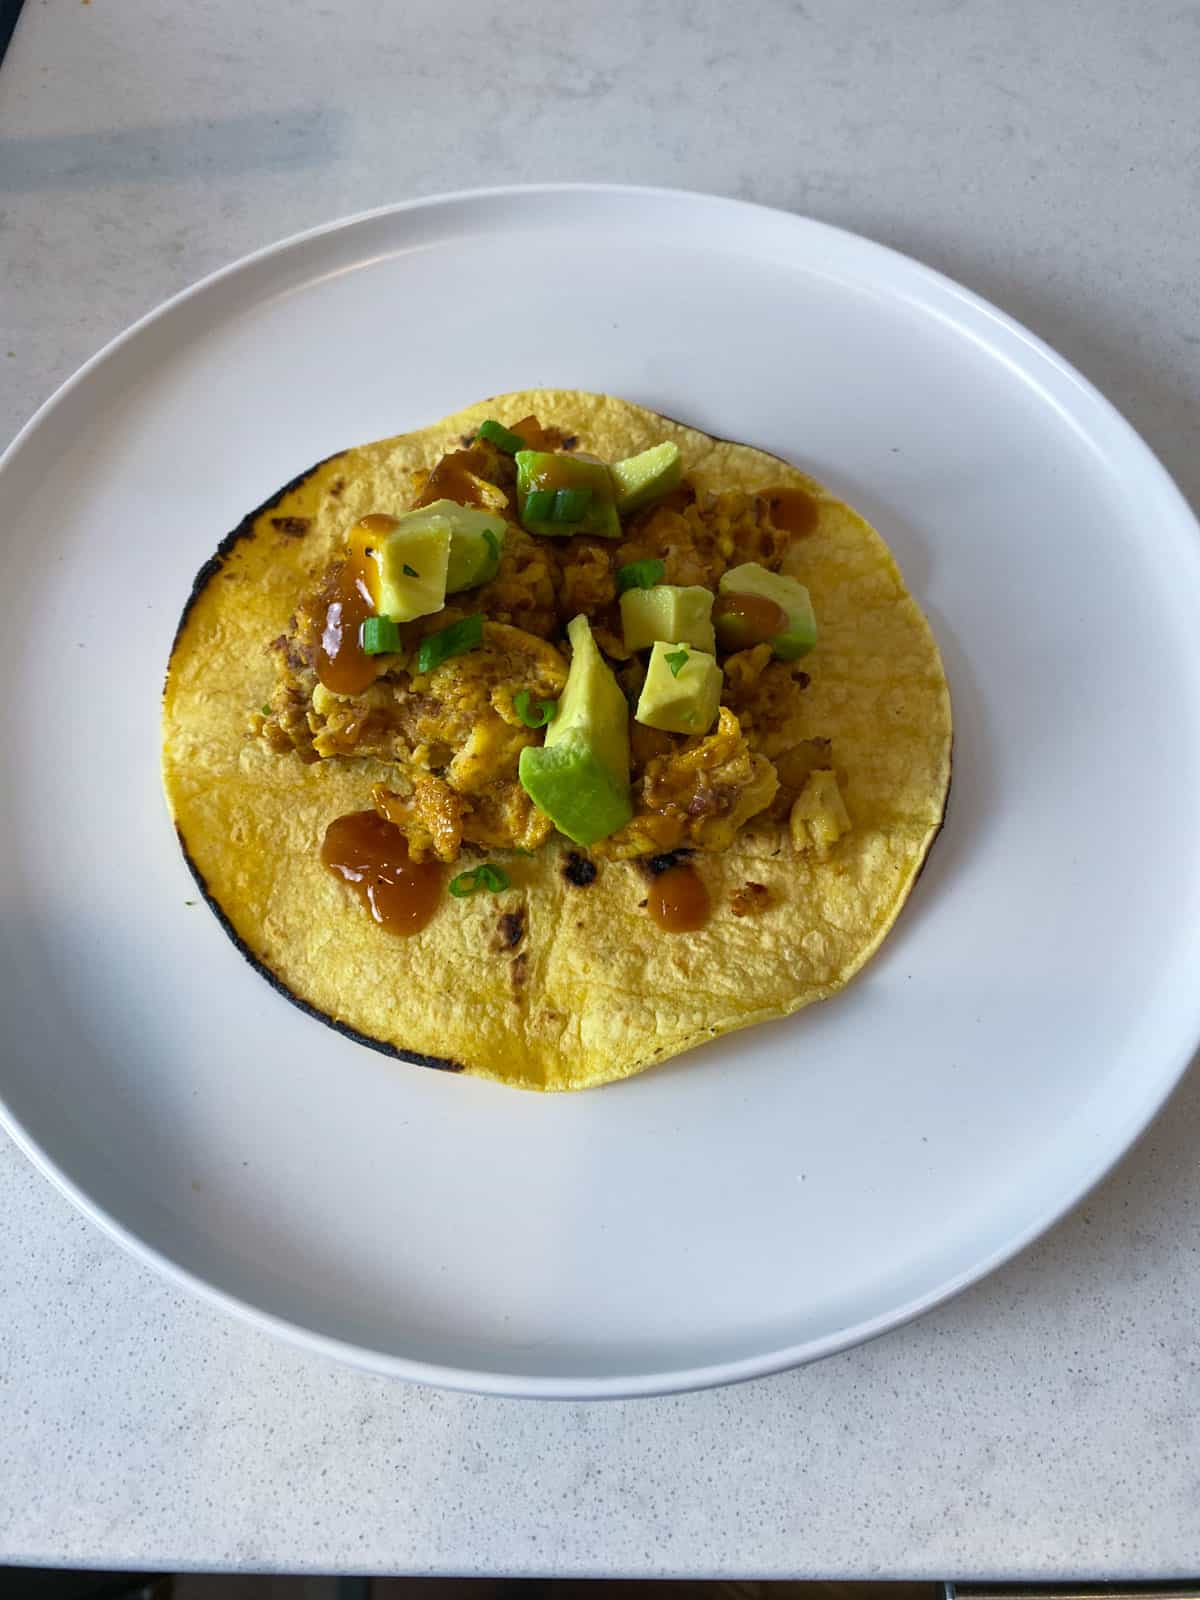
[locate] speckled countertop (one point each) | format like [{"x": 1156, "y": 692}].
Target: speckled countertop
[{"x": 1047, "y": 1422}]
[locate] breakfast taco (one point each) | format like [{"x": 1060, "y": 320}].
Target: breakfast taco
[{"x": 554, "y": 739}]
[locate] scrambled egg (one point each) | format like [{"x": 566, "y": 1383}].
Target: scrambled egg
[{"x": 453, "y": 737}]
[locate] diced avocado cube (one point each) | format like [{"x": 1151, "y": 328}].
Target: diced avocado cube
[
  {"x": 435, "y": 551},
  {"x": 668, "y": 611},
  {"x": 544, "y": 472},
  {"x": 476, "y": 545},
  {"x": 760, "y": 607},
  {"x": 680, "y": 696},
  {"x": 580, "y": 776},
  {"x": 642, "y": 478},
  {"x": 412, "y": 562}
]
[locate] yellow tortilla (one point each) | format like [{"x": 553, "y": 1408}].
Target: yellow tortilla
[{"x": 594, "y": 991}]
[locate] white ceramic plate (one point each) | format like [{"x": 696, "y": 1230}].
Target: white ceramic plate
[{"x": 777, "y": 1195}]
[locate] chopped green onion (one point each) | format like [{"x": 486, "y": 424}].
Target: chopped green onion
[
  {"x": 492, "y": 543},
  {"x": 640, "y": 574},
  {"x": 409, "y": 572},
  {"x": 539, "y": 505},
  {"x": 570, "y": 505},
  {"x": 677, "y": 660},
  {"x": 455, "y": 640},
  {"x": 493, "y": 879},
  {"x": 503, "y": 438},
  {"x": 380, "y": 636},
  {"x": 531, "y": 718},
  {"x": 266, "y": 710}
]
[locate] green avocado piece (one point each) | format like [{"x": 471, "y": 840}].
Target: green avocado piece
[
  {"x": 647, "y": 476},
  {"x": 738, "y": 628},
  {"x": 668, "y": 611},
  {"x": 553, "y": 470},
  {"x": 435, "y": 551},
  {"x": 412, "y": 561},
  {"x": 580, "y": 776},
  {"x": 682, "y": 691},
  {"x": 476, "y": 545}
]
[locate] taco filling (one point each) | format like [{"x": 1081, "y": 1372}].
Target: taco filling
[{"x": 555, "y": 652}]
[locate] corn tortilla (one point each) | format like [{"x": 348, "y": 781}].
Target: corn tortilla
[{"x": 555, "y": 983}]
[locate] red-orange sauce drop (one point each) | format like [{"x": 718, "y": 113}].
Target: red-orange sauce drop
[
  {"x": 530, "y": 429},
  {"x": 743, "y": 619},
  {"x": 558, "y": 471},
  {"x": 342, "y": 664},
  {"x": 792, "y": 510},
  {"x": 371, "y": 855},
  {"x": 456, "y": 477},
  {"x": 678, "y": 900}
]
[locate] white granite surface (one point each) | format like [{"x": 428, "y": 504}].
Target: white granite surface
[{"x": 1047, "y": 1422}]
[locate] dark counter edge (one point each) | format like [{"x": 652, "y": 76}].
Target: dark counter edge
[{"x": 10, "y": 10}]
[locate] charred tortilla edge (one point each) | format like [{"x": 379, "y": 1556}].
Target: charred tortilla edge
[
  {"x": 438, "y": 1063},
  {"x": 220, "y": 555}
]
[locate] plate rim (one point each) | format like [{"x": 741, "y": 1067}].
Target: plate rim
[{"x": 500, "y": 1383}]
